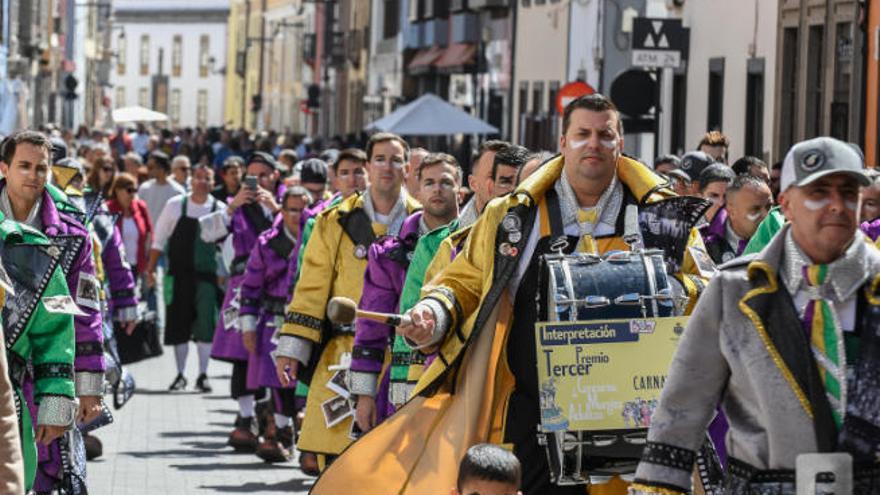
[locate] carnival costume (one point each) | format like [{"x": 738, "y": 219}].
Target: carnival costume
[
  {"x": 333, "y": 265},
  {"x": 482, "y": 385}
]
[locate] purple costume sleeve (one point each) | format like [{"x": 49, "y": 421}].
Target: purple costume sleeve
[
  {"x": 252, "y": 285},
  {"x": 118, "y": 273},
  {"x": 383, "y": 282},
  {"x": 244, "y": 234}
]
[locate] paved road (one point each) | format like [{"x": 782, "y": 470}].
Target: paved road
[{"x": 163, "y": 443}]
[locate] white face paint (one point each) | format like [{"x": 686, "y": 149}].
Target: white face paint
[
  {"x": 814, "y": 205},
  {"x": 577, "y": 144},
  {"x": 753, "y": 217},
  {"x": 610, "y": 144}
]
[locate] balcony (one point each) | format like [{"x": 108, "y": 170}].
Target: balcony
[
  {"x": 436, "y": 32},
  {"x": 465, "y": 28}
]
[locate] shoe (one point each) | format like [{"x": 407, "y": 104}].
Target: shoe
[
  {"x": 308, "y": 464},
  {"x": 94, "y": 447},
  {"x": 272, "y": 450},
  {"x": 285, "y": 436},
  {"x": 244, "y": 437},
  {"x": 202, "y": 384},
  {"x": 179, "y": 383},
  {"x": 265, "y": 418}
]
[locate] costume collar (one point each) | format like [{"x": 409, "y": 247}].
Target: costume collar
[
  {"x": 645, "y": 185},
  {"x": 398, "y": 213},
  {"x": 287, "y": 232},
  {"x": 732, "y": 237},
  {"x": 33, "y": 219},
  {"x": 845, "y": 274},
  {"x": 608, "y": 205},
  {"x": 469, "y": 213}
]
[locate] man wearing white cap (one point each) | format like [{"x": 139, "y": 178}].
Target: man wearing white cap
[{"x": 785, "y": 340}]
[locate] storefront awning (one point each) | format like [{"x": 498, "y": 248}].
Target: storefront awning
[
  {"x": 456, "y": 57},
  {"x": 424, "y": 58}
]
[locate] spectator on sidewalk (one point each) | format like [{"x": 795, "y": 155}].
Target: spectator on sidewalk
[
  {"x": 158, "y": 190},
  {"x": 134, "y": 220}
]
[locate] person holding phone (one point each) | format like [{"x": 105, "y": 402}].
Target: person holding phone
[{"x": 252, "y": 211}]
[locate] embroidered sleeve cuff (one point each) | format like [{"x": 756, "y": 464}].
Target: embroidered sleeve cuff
[
  {"x": 666, "y": 466},
  {"x": 364, "y": 383},
  {"x": 128, "y": 313},
  {"x": 441, "y": 323},
  {"x": 248, "y": 323},
  {"x": 294, "y": 347},
  {"x": 639, "y": 489},
  {"x": 89, "y": 384},
  {"x": 55, "y": 410}
]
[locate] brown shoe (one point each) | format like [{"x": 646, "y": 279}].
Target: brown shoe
[
  {"x": 271, "y": 450},
  {"x": 244, "y": 437},
  {"x": 308, "y": 464}
]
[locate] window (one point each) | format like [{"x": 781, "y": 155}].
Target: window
[
  {"x": 204, "y": 55},
  {"x": 843, "y": 66},
  {"x": 174, "y": 111},
  {"x": 537, "y": 96},
  {"x": 755, "y": 108},
  {"x": 391, "y": 20},
  {"x": 679, "y": 113},
  {"x": 144, "y": 98},
  {"x": 176, "y": 55},
  {"x": 414, "y": 10},
  {"x": 523, "y": 109},
  {"x": 716, "y": 94},
  {"x": 119, "y": 100},
  {"x": 121, "y": 47},
  {"x": 815, "y": 60},
  {"x": 145, "y": 54},
  {"x": 202, "y": 108},
  {"x": 788, "y": 88},
  {"x": 552, "y": 93}
]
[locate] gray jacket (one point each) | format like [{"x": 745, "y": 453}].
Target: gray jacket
[{"x": 745, "y": 347}]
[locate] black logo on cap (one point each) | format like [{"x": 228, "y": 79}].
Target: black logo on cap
[{"x": 813, "y": 160}]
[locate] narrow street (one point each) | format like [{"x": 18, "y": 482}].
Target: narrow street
[{"x": 176, "y": 443}]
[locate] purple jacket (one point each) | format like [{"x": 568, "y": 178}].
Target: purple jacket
[
  {"x": 117, "y": 271},
  {"x": 270, "y": 271},
  {"x": 312, "y": 211},
  {"x": 387, "y": 261},
  {"x": 871, "y": 229},
  {"x": 715, "y": 238},
  {"x": 82, "y": 284}
]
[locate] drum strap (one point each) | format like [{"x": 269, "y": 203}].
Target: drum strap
[{"x": 559, "y": 241}]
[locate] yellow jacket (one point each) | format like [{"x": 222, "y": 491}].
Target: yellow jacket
[
  {"x": 462, "y": 397},
  {"x": 330, "y": 269}
]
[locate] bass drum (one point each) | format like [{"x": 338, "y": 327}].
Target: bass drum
[{"x": 587, "y": 287}]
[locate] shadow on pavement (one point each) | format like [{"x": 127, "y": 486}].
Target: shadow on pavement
[
  {"x": 286, "y": 486},
  {"x": 255, "y": 465},
  {"x": 208, "y": 445},
  {"x": 171, "y": 453},
  {"x": 140, "y": 391},
  {"x": 191, "y": 434}
]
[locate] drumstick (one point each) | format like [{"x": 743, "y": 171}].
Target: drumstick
[{"x": 343, "y": 311}]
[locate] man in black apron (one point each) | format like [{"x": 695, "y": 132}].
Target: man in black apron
[{"x": 192, "y": 297}]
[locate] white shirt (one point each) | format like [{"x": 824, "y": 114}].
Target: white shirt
[
  {"x": 171, "y": 214},
  {"x": 157, "y": 195},
  {"x": 130, "y": 240}
]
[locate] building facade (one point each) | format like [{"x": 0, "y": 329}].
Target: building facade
[{"x": 169, "y": 58}]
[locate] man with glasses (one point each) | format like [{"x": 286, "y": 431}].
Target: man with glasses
[
  {"x": 334, "y": 265},
  {"x": 180, "y": 170}
]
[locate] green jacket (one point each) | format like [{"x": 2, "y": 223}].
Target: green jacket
[
  {"x": 41, "y": 333},
  {"x": 768, "y": 228},
  {"x": 402, "y": 381}
]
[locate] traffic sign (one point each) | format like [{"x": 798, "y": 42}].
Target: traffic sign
[
  {"x": 571, "y": 92},
  {"x": 658, "y": 43}
]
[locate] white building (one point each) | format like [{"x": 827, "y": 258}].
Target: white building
[
  {"x": 731, "y": 73},
  {"x": 183, "y": 41}
]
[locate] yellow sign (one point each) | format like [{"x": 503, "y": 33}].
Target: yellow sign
[{"x": 603, "y": 375}]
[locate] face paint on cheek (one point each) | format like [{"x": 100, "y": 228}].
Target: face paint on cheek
[
  {"x": 814, "y": 205},
  {"x": 577, "y": 144},
  {"x": 851, "y": 205},
  {"x": 753, "y": 217},
  {"x": 610, "y": 144}
]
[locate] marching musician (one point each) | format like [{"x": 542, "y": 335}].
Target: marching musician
[
  {"x": 747, "y": 201},
  {"x": 25, "y": 197},
  {"x": 333, "y": 265},
  {"x": 785, "y": 341},
  {"x": 481, "y": 313},
  {"x": 388, "y": 263}
]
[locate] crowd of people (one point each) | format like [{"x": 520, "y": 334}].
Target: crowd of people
[{"x": 378, "y": 306}]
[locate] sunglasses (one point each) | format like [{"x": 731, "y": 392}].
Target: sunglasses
[
  {"x": 132, "y": 190},
  {"x": 107, "y": 169}
]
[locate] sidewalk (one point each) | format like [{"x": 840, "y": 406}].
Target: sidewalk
[{"x": 163, "y": 443}]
